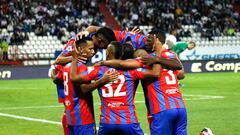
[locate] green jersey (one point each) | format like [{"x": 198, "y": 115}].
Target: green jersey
[
  {"x": 4, "y": 46},
  {"x": 179, "y": 47}
]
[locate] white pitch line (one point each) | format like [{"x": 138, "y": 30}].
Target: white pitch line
[
  {"x": 31, "y": 107},
  {"x": 30, "y": 119}
]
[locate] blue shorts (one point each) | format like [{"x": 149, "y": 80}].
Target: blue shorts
[
  {"x": 88, "y": 129},
  {"x": 120, "y": 129},
  {"x": 170, "y": 122}
]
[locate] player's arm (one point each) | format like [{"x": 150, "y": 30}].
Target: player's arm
[
  {"x": 74, "y": 76},
  {"x": 155, "y": 71},
  {"x": 92, "y": 28},
  {"x": 181, "y": 73},
  {"x": 107, "y": 77},
  {"x": 122, "y": 64},
  {"x": 63, "y": 59}
]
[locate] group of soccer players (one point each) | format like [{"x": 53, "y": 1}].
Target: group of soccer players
[{"x": 130, "y": 57}]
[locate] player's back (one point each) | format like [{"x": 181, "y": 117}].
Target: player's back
[
  {"x": 117, "y": 98},
  {"x": 79, "y": 106},
  {"x": 164, "y": 92},
  {"x": 138, "y": 40}
]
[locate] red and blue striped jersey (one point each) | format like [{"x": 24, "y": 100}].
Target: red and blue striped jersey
[
  {"x": 78, "y": 106},
  {"x": 117, "y": 98},
  {"x": 164, "y": 93},
  {"x": 59, "y": 84},
  {"x": 68, "y": 47},
  {"x": 138, "y": 40}
]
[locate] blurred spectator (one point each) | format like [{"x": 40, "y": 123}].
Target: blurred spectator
[
  {"x": 216, "y": 17},
  {"x": 48, "y": 18},
  {"x": 4, "y": 48}
]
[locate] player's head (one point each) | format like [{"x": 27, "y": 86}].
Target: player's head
[
  {"x": 140, "y": 53},
  {"x": 191, "y": 45},
  {"x": 173, "y": 32},
  {"x": 170, "y": 42},
  {"x": 86, "y": 47},
  {"x": 115, "y": 50},
  {"x": 150, "y": 38},
  {"x": 103, "y": 37}
]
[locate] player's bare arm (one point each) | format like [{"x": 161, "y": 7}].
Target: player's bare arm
[
  {"x": 172, "y": 64},
  {"x": 107, "y": 77},
  {"x": 155, "y": 71},
  {"x": 122, "y": 64},
  {"x": 62, "y": 59}
]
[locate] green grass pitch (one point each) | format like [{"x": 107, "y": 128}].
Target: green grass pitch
[{"x": 212, "y": 100}]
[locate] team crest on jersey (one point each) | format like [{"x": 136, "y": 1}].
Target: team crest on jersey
[{"x": 67, "y": 103}]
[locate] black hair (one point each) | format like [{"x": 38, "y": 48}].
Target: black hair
[
  {"x": 159, "y": 34},
  {"x": 107, "y": 33},
  {"x": 83, "y": 40},
  {"x": 122, "y": 51}
]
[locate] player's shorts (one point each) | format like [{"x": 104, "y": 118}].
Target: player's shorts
[
  {"x": 120, "y": 129},
  {"x": 170, "y": 122},
  {"x": 88, "y": 129}
]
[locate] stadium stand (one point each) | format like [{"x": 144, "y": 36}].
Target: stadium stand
[{"x": 36, "y": 30}]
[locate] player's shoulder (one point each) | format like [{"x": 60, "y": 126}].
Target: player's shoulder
[{"x": 168, "y": 54}]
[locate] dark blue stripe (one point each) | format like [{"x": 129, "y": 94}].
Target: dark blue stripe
[
  {"x": 180, "y": 102},
  {"x": 77, "y": 111},
  {"x": 100, "y": 74},
  {"x": 134, "y": 41},
  {"x": 125, "y": 38},
  {"x": 69, "y": 117},
  {"x": 130, "y": 96},
  {"x": 160, "y": 97},
  {"x": 60, "y": 90},
  {"x": 141, "y": 42},
  {"x": 171, "y": 102},
  {"x": 112, "y": 117},
  {"x": 122, "y": 117}
]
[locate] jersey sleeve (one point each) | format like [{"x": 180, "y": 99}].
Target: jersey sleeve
[
  {"x": 93, "y": 75},
  {"x": 68, "y": 47},
  {"x": 138, "y": 74},
  {"x": 168, "y": 55}
]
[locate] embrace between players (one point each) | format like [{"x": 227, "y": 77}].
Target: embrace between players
[{"x": 130, "y": 57}]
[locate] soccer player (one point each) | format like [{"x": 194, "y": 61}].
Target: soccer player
[
  {"x": 100, "y": 39},
  {"x": 163, "y": 95},
  {"x": 118, "y": 115},
  {"x": 56, "y": 75},
  {"x": 179, "y": 47},
  {"x": 166, "y": 104},
  {"x": 79, "y": 105}
]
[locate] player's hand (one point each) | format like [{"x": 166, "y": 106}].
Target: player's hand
[
  {"x": 157, "y": 45},
  {"x": 82, "y": 59},
  {"x": 135, "y": 30},
  {"x": 149, "y": 60},
  {"x": 75, "y": 54},
  {"x": 99, "y": 63},
  {"x": 81, "y": 34},
  {"x": 110, "y": 76}
]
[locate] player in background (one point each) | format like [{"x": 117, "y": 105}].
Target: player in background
[
  {"x": 56, "y": 75},
  {"x": 118, "y": 115},
  {"x": 79, "y": 105},
  {"x": 179, "y": 47}
]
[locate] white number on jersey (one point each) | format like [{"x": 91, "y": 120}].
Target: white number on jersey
[
  {"x": 65, "y": 75},
  {"x": 117, "y": 92},
  {"x": 171, "y": 80}
]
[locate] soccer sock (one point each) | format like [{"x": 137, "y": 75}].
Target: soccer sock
[{"x": 64, "y": 124}]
